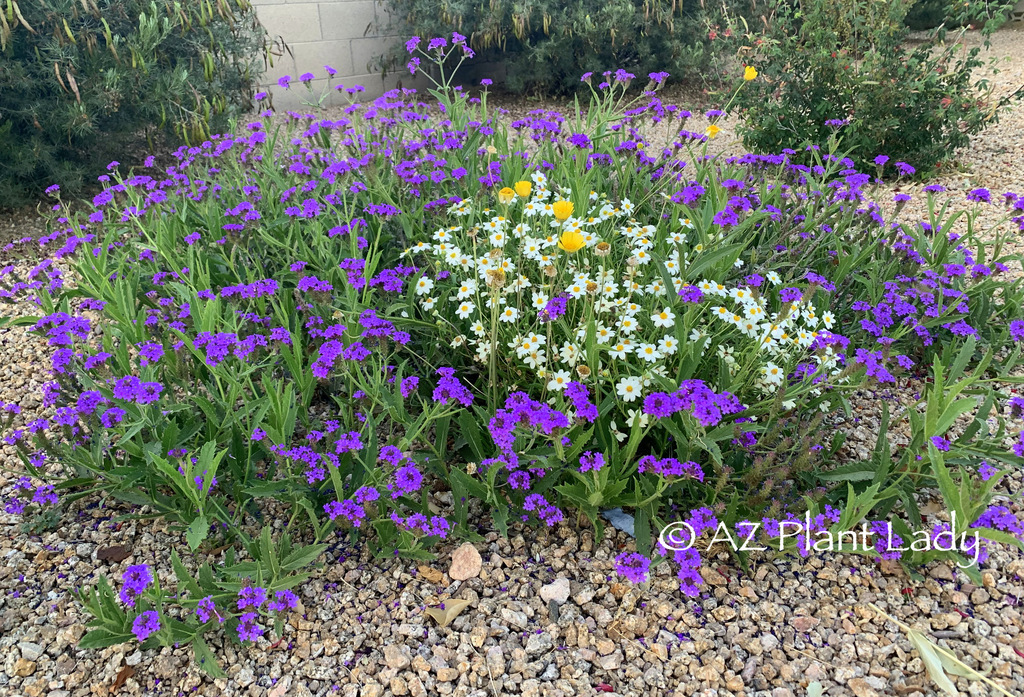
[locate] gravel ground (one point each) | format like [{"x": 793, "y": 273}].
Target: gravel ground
[{"x": 547, "y": 614}]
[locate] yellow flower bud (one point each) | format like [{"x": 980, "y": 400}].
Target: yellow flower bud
[
  {"x": 749, "y": 73},
  {"x": 562, "y": 210},
  {"x": 523, "y": 188},
  {"x": 571, "y": 240},
  {"x": 506, "y": 195}
]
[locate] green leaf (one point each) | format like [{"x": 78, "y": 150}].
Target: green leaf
[
  {"x": 102, "y": 638},
  {"x": 197, "y": 531},
  {"x": 726, "y": 255},
  {"x": 205, "y": 659},
  {"x": 302, "y": 557},
  {"x": 948, "y": 489},
  {"x": 184, "y": 577},
  {"x": 855, "y": 472},
  {"x": 642, "y": 530},
  {"x": 999, "y": 536},
  {"x": 471, "y": 432},
  {"x": 474, "y": 486},
  {"x": 952, "y": 412}
]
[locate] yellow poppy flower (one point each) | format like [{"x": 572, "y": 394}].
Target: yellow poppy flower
[
  {"x": 562, "y": 210},
  {"x": 712, "y": 131},
  {"x": 506, "y": 195},
  {"x": 571, "y": 240},
  {"x": 749, "y": 73},
  {"x": 523, "y": 188}
]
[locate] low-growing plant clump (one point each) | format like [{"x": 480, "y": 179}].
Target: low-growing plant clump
[{"x": 377, "y": 322}]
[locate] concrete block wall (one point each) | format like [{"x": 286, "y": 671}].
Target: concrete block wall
[{"x": 345, "y": 34}]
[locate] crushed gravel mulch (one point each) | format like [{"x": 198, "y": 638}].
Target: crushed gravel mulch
[{"x": 361, "y": 629}]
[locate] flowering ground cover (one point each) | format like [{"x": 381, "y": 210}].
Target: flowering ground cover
[{"x": 550, "y": 317}]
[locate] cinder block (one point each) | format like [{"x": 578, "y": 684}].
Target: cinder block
[
  {"x": 313, "y": 56},
  {"x": 348, "y": 20},
  {"x": 283, "y": 65},
  {"x": 294, "y": 23},
  {"x": 366, "y": 51},
  {"x": 298, "y": 96}
]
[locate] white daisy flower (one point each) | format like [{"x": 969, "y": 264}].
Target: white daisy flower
[
  {"x": 559, "y": 379},
  {"x": 628, "y": 388},
  {"x": 665, "y": 318}
]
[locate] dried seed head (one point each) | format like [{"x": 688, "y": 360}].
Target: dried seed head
[
  {"x": 583, "y": 371},
  {"x": 496, "y": 278},
  {"x": 602, "y": 249}
]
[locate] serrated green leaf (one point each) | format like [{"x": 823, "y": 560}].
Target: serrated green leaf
[
  {"x": 102, "y": 638},
  {"x": 206, "y": 660},
  {"x": 197, "y": 531}
]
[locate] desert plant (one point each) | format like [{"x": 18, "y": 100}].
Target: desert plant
[
  {"x": 846, "y": 67},
  {"x": 79, "y": 78}
]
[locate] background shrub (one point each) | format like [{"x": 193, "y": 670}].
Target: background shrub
[
  {"x": 824, "y": 63},
  {"x": 928, "y": 14},
  {"x": 547, "y": 44},
  {"x": 76, "y": 81}
]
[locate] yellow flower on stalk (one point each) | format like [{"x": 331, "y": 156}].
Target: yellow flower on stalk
[
  {"x": 506, "y": 195},
  {"x": 749, "y": 73},
  {"x": 523, "y": 188},
  {"x": 562, "y": 210},
  {"x": 571, "y": 240},
  {"x": 712, "y": 131}
]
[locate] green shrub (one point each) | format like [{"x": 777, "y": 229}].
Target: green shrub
[
  {"x": 927, "y": 14},
  {"x": 845, "y": 66},
  {"x": 547, "y": 44},
  {"x": 79, "y": 77}
]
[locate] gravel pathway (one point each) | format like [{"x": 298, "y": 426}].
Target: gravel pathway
[{"x": 547, "y": 614}]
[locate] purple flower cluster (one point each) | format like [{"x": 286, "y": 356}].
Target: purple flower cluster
[
  {"x": 251, "y": 291},
  {"x": 450, "y": 389},
  {"x": 419, "y": 524},
  {"x": 555, "y": 308},
  {"x": 135, "y": 580},
  {"x": 546, "y": 512},
  {"x": 632, "y": 566},
  {"x": 695, "y": 397},
  {"x": 578, "y": 395},
  {"x": 146, "y": 625},
  {"x": 523, "y": 412},
  {"x": 591, "y": 462},
  {"x": 669, "y": 467}
]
